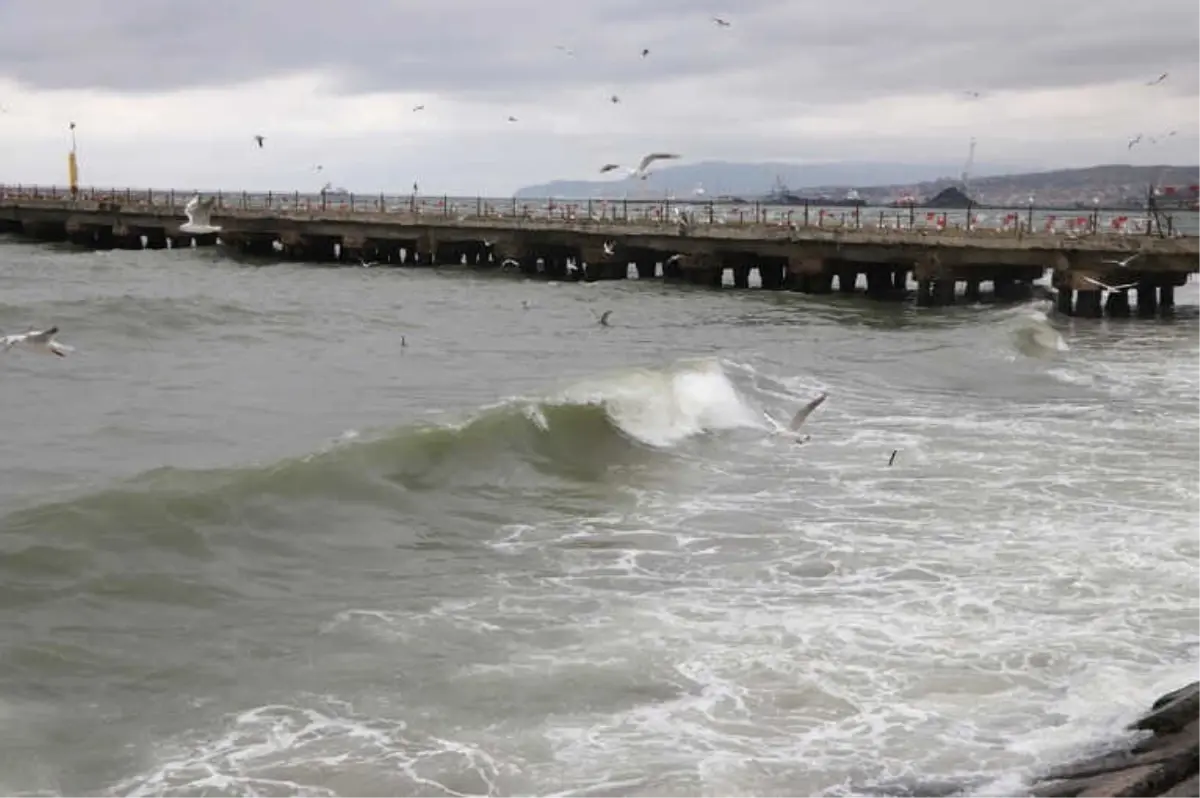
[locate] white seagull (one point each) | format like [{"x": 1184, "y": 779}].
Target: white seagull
[
  {"x": 42, "y": 340},
  {"x": 1123, "y": 263},
  {"x": 802, "y": 416},
  {"x": 641, "y": 173},
  {"x": 610, "y": 248},
  {"x": 1107, "y": 287},
  {"x": 199, "y": 214},
  {"x": 721, "y": 22}
]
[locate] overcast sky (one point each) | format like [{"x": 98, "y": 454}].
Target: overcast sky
[{"x": 169, "y": 100}]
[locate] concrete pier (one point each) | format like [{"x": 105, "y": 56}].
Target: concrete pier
[{"x": 947, "y": 267}]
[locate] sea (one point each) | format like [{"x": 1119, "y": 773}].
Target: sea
[{"x": 283, "y": 529}]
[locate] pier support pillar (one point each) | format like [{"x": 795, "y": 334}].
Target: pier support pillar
[
  {"x": 900, "y": 280},
  {"x": 770, "y": 273},
  {"x": 1116, "y": 305},
  {"x": 943, "y": 291},
  {"x": 799, "y": 282},
  {"x": 972, "y": 291},
  {"x": 847, "y": 280},
  {"x": 1166, "y": 300},
  {"x": 741, "y": 276},
  {"x": 671, "y": 270},
  {"x": 1003, "y": 289},
  {"x": 924, "y": 293},
  {"x": 646, "y": 268},
  {"x": 1147, "y": 300},
  {"x": 1087, "y": 305},
  {"x": 1065, "y": 303},
  {"x": 880, "y": 284}
]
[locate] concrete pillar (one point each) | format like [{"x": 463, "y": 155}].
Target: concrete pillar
[
  {"x": 972, "y": 291},
  {"x": 924, "y": 293},
  {"x": 821, "y": 283},
  {"x": 1116, "y": 305},
  {"x": 1147, "y": 300},
  {"x": 672, "y": 270},
  {"x": 771, "y": 274},
  {"x": 879, "y": 283},
  {"x": 1066, "y": 301},
  {"x": 1087, "y": 305},
  {"x": 900, "y": 279},
  {"x": 741, "y": 276},
  {"x": 1003, "y": 289},
  {"x": 647, "y": 269},
  {"x": 943, "y": 290},
  {"x": 799, "y": 282},
  {"x": 847, "y": 280},
  {"x": 1166, "y": 300}
]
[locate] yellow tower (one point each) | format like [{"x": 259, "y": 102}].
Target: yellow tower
[{"x": 73, "y": 166}]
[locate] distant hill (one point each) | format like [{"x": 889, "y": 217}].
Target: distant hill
[
  {"x": 749, "y": 179},
  {"x": 880, "y": 183},
  {"x": 1112, "y": 184}
]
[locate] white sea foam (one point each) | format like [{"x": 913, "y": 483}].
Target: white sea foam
[{"x": 664, "y": 407}]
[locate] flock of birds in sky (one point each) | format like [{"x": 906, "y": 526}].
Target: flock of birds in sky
[{"x": 640, "y": 172}]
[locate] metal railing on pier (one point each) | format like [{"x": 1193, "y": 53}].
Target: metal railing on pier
[{"x": 670, "y": 211}]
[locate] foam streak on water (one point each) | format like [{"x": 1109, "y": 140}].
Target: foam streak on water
[{"x": 529, "y": 555}]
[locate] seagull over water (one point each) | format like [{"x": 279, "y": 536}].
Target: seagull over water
[
  {"x": 802, "y": 416},
  {"x": 1158, "y": 79},
  {"x": 721, "y": 22},
  {"x": 260, "y": 139},
  {"x": 199, "y": 214},
  {"x": 40, "y": 340}
]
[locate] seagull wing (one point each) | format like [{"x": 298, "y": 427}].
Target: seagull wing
[
  {"x": 1094, "y": 281},
  {"x": 654, "y": 156},
  {"x": 806, "y": 411},
  {"x": 42, "y": 336},
  {"x": 608, "y": 167}
]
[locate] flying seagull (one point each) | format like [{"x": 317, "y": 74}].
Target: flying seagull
[
  {"x": 614, "y": 99},
  {"x": 645, "y": 52},
  {"x": 1106, "y": 287},
  {"x": 512, "y": 119},
  {"x": 803, "y": 415},
  {"x": 199, "y": 214},
  {"x": 641, "y": 172},
  {"x": 721, "y": 22},
  {"x": 1158, "y": 79},
  {"x": 418, "y": 108},
  {"x": 608, "y": 167},
  {"x": 1135, "y": 140},
  {"x": 610, "y": 247},
  {"x": 1123, "y": 263},
  {"x": 260, "y": 139},
  {"x": 564, "y": 48},
  {"x": 42, "y": 340}
]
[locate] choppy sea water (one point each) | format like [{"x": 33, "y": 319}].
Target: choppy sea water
[{"x": 249, "y": 544}]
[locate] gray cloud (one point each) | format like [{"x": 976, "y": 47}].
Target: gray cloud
[{"x": 787, "y": 50}]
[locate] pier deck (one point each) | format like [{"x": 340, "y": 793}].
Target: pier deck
[{"x": 601, "y": 239}]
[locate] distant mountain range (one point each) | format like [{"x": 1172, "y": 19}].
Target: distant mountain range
[
  {"x": 879, "y": 182},
  {"x": 749, "y": 179}
]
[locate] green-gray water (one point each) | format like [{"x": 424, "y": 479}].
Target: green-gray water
[{"x": 251, "y": 545}]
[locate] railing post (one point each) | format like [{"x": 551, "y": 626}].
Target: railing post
[
  {"x": 806, "y": 212},
  {"x": 270, "y": 200},
  {"x": 625, "y": 210},
  {"x": 478, "y": 205},
  {"x": 445, "y": 205},
  {"x": 382, "y": 204},
  {"x": 351, "y": 203},
  {"x": 245, "y": 200},
  {"x": 149, "y": 196}
]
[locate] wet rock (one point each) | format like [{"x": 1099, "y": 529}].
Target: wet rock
[{"x": 1165, "y": 763}]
